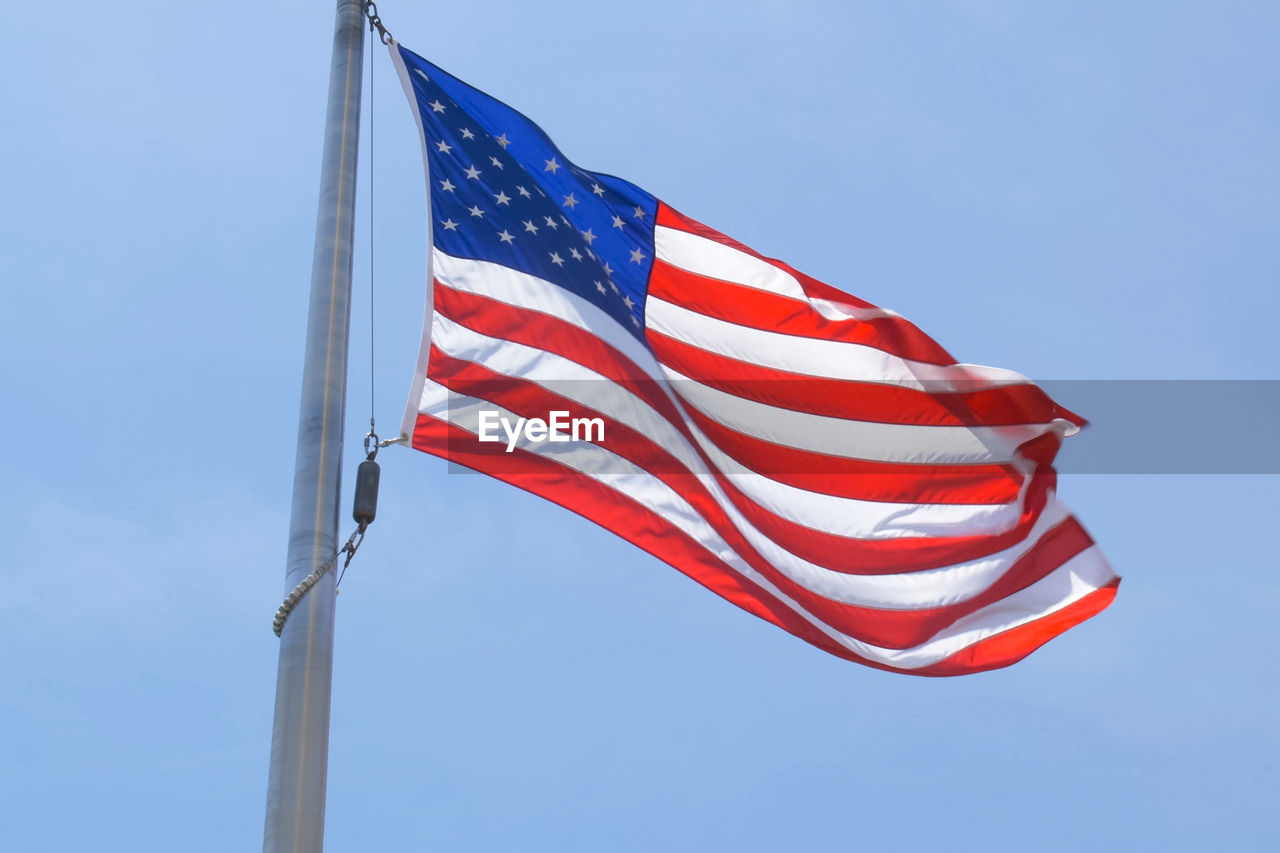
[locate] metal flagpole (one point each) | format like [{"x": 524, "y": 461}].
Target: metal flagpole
[{"x": 300, "y": 734}]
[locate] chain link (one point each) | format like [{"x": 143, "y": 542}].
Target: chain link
[{"x": 375, "y": 23}]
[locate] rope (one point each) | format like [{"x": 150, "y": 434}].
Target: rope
[
  {"x": 304, "y": 586},
  {"x": 373, "y": 16}
]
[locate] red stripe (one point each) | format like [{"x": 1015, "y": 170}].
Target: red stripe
[
  {"x": 749, "y": 306},
  {"x": 552, "y": 334},
  {"x": 904, "y": 629},
  {"x": 860, "y": 479},
  {"x": 672, "y": 218},
  {"x": 895, "y": 335},
  {"x": 884, "y": 556},
  {"x": 531, "y": 400},
  {"x": 756, "y": 309},
  {"x": 535, "y": 329},
  {"x": 875, "y": 402},
  {"x": 1009, "y": 647},
  {"x": 649, "y": 531}
]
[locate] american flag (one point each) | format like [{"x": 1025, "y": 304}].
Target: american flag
[{"x": 816, "y": 460}]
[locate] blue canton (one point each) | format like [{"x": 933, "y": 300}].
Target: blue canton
[{"x": 502, "y": 192}]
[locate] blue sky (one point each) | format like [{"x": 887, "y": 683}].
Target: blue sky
[{"x": 1084, "y": 192}]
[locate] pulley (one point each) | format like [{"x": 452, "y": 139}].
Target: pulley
[
  {"x": 365, "y": 507},
  {"x": 366, "y": 502}
]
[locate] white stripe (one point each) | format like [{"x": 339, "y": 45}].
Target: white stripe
[
  {"x": 858, "y": 518},
  {"x": 1068, "y": 583},
  {"x": 899, "y": 591},
  {"x": 1084, "y": 573},
  {"x": 844, "y": 311},
  {"x": 922, "y": 590},
  {"x": 716, "y": 260},
  {"x": 816, "y": 357},
  {"x": 565, "y": 378},
  {"x": 702, "y": 256},
  {"x": 904, "y": 443},
  {"x": 424, "y": 350},
  {"x": 712, "y": 259},
  {"x": 530, "y": 293}
]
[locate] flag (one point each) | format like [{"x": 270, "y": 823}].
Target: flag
[{"x": 816, "y": 460}]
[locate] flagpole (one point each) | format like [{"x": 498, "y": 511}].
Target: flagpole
[{"x": 300, "y": 733}]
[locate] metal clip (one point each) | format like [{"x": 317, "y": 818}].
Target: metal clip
[
  {"x": 356, "y": 540},
  {"x": 399, "y": 439}
]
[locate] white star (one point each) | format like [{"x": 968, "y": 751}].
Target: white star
[
  {"x": 443, "y": 147},
  {"x": 557, "y": 260},
  {"x": 588, "y": 236},
  {"x": 551, "y": 166},
  {"x": 450, "y": 225},
  {"x": 466, "y": 133},
  {"x": 524, "y": 192},
  {"x": 446, "y": 185},
  {"x": 530, "y": 227},
  {"x": 503, "y": 141},
  {"x": 422, "y": 74},
  {"x": 505, "y": 237},
  {"x": 577, "y": 256},
  {"x": 600, "y": 287},
  {"x": 598, "y": 190},
  {"x": 608, "y": 270},
  {"x": 635, "y": 321},
  {"x": 551, "y": 223},
  {"x": 570, "y": 202},
  {"x": 473, "y": 173},
  {"x": 495, "y": 161},
  {"x": 617, "y": 221},
  {"x": 637, "y": 256},
  {"x": 476, "y": 211},
  {"x": 565, "y": 220},
  {"x": 615, "y": 288},
  {"x": 436, "y": 106},
  {"x": 639, "y": 212},
  {"x": 503, "y": 198},
  {"x": 627, "y": 302}
]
